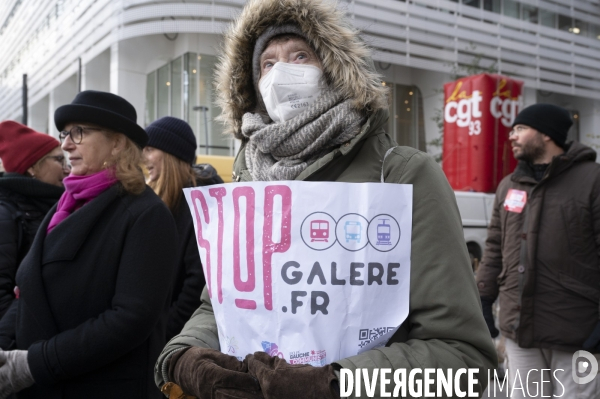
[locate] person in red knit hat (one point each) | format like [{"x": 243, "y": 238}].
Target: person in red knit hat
[
  {"x": 27, "y": 152},
  {"x": 31, "y": 184}
]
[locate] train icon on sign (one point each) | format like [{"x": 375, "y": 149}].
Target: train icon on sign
[
  {"x": 319, "y": 230},
  {"x": 384, "y": 233}
]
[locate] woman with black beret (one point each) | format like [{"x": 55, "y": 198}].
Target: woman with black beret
[{"x": 93, "y": 292}]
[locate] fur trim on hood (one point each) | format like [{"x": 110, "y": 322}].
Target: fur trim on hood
[{"x": 345, "y": 58}]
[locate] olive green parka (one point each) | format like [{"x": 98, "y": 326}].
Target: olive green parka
[{"x": 445, "y": 327}]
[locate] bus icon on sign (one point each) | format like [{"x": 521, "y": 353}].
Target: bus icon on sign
[
  {"x": 353, "y": 231},
  {"x": 319, "y": 230}
]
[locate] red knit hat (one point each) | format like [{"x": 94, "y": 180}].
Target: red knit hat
[{"x": 21, "y": 147}]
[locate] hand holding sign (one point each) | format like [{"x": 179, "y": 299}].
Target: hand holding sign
[
  {"x": 207, "y": 374},
  {"x": 278, "y": 379}
]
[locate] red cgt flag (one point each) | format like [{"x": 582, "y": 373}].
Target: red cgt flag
[{"x": 478, "y": 114}]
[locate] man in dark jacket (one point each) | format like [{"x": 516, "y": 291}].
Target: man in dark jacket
[{"x": 542, "y": 256}]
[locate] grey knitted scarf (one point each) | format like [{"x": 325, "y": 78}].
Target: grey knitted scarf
[{"x": 281, "y": 151}]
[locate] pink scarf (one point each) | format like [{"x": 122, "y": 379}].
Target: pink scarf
[{"x": 79, "y": 190}]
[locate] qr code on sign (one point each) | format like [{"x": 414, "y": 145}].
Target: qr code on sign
[{"x": 368, "y": 335}]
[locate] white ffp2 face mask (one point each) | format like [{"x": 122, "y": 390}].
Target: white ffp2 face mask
[{"x": 289, "y": 89}]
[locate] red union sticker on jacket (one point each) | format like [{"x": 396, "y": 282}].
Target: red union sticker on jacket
[
  {"x": 515, "y": 200},
  {"x": 312, "y": 272}
]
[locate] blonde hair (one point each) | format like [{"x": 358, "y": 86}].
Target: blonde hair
[
  {"x": 126, "y": 165},
  {"x": 175, "y": 175}
]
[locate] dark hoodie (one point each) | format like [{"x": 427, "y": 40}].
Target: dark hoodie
[
  {"x": 189, "y": 280},
  {"x": 560, "y": 280},
  {"x": 23, "y": 204}
]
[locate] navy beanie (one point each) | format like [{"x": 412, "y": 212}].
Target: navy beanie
[
  {"x": 549, "y": 119},
  {"x": 174, "y": 136}
]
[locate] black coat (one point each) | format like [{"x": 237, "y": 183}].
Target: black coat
[
  {"x": 189, "y": 279},
  {"x": 23, "y": 204},
  {"x": 94, "y": 297}
]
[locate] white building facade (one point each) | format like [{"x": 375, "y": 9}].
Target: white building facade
[{"x": 160, "y": 55}]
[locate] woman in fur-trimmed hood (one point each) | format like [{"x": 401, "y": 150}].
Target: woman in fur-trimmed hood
[
  {"x": 344, "y": 57},
  {"x": 350, "y": 89},
  {"x": 296, "y": 84}
]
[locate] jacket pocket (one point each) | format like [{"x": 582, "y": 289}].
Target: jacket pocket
[
  {"x": 578, "y": 287},
  {"x": 577, "y": 221}
]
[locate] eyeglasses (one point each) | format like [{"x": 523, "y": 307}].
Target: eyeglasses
[
  {"x": 58, "y": 158},
  {"x": 518, "y": 130},
  {"x": 76, "y": 133}
]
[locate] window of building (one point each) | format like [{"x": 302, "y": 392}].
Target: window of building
[
  {"x": 594, "y": 32},
  {"x": 580, "y": 28},
  {"x": 548, "y": 18},
  {"x": 406, "y": 124},
  {"x": 150, "y": 99},
  {"x": 493, "y": 5},
  {"x": 565, "y": 23},
  {"x": 573, "y": 134},
  {"x": 163, "y": 92},
  {"x": 511, "y": 8},
  {"x": 529, "y": 13},
  {"x": 177, "y": 88},
  {"x": 471, "y": 3},
  {"x": 191, "y": 85},
  {"x": 183, "y": 89}
]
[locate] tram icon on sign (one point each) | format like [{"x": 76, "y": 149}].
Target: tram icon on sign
[
  {"x": 319, "y": 230},
  {"x": 384, "y": 233},
  {"x": 353, "y": 231}
]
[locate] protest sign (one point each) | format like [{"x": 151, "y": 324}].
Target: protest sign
[{"x": 308, "y": 271}]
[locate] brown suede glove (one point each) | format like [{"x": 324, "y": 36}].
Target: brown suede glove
[
  {"x": 210, "y": 374},
  {"x": 281, "y": 380}
]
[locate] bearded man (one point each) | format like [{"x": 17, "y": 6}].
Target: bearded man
[{"x": 542, "y": 257}]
